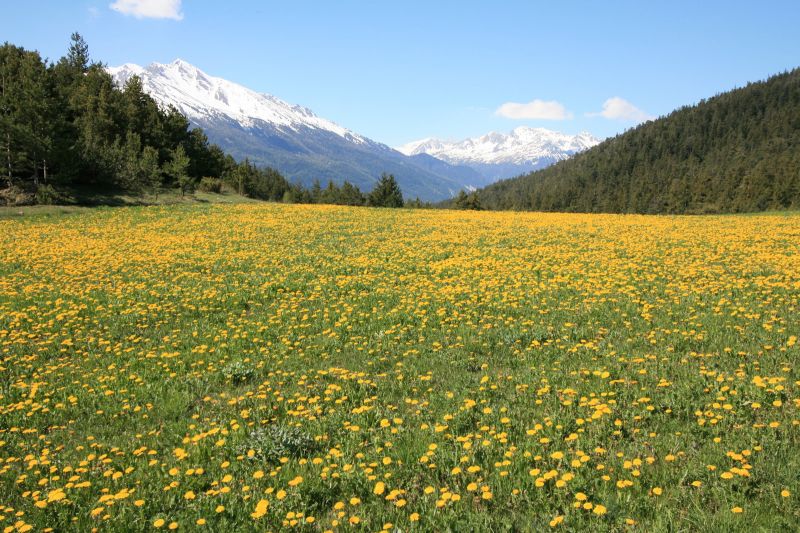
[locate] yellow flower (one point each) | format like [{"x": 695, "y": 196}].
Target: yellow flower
[
  {"x": 379, "y": 488},
  {"x": 55, "y": 495},
  {"x": 599, "y": 509},
  {"x": 261, "y": 509}
]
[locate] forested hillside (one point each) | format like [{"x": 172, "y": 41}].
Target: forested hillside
[
  {"x": 738, "y": 151},
  {"x": 65, "y": 124}
]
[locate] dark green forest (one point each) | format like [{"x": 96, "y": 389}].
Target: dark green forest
[
  {"x": 736, "y": 152},
  {"x": 65, "y": 127}
]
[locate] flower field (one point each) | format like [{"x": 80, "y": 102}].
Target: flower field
[{"x": 268, "y": 367}]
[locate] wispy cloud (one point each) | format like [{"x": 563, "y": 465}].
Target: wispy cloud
[
  {"x": 617, "y": 108},
  {"x": 153, "y": 9},
  {"x": 534, "y": 110}
]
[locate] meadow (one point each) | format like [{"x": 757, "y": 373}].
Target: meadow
[{"x": 262, "y": 367}]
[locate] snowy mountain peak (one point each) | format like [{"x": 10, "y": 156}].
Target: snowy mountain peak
[
  {"x": 522, "y": 146},
  {"x": 202, "y": 97}
]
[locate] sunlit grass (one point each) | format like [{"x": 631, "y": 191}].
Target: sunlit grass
[{"x": 261, "y": 367}]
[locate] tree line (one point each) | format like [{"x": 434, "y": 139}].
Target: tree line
[
  {"x": 269, "y": 184},
  {"x": 66, "y": 126},
  {"x": 738, "y": 151}
]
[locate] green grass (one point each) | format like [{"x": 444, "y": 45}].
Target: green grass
[
  {"x": 80, "y": 201},
  {"x": 148, "y": 353}
]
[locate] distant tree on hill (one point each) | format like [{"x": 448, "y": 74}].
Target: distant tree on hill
[
  {"x": 416, "y": 203},
  {"x": 386, "y": 193},
  {"x": 351, "y": 195},
  {"x": 468, "y": 201},
  {"x": 316, "y": 192}
]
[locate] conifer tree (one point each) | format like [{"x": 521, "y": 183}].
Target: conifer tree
[
  {"x": 178, "y": 170},
  {"x": 386, "y": 193},
  {"x": 316, "y": 192},
  {"x": 24, "y": 113},
  {"x": 351, "y": 195}
]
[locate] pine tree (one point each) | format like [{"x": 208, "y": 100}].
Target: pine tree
[
  {"x": 150, "y": 175},
  {"x": 24, "y": 114},
  {"x": 468, "y": 201},
  {"x": 386, "y": 193},
  {"x": 78, "y": 54},
  {"x": 351, "y": 195},
  {"x": 178, "y": 168},
  {"x": 140, "y": 114},
  {"x": 316, "y": 192}
]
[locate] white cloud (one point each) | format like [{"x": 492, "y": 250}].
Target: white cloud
[
  {"x": 153, "y": 9},
  {"x": 535, "y": 110},
  {"x": 617, "y": 108}
]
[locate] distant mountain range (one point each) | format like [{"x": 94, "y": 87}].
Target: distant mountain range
[
  {"x": 305, "y": 147},
  {"x": 738, "y": 151},
  {"x": 497, "y": 155}
]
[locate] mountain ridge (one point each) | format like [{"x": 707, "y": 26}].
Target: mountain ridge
[{"x": 502, "y": 155}]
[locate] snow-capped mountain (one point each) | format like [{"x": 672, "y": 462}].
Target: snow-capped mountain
[
  {"x": 291, "y": 138},
  {"x": 499, "y": 155},
  {"x": 201, "y": 97}
]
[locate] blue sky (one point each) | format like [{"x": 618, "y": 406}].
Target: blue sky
[{"x": 400, "y": 71}]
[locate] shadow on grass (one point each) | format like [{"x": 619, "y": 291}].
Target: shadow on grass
[{"x": 77, "y": 199}]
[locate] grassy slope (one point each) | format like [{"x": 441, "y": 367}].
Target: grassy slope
[{"x": 78, "y": 202}]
